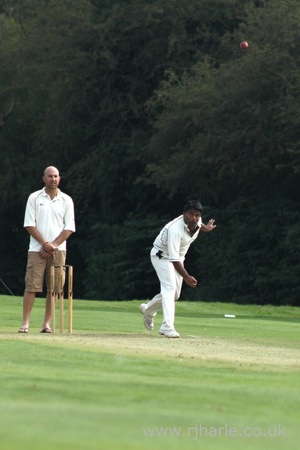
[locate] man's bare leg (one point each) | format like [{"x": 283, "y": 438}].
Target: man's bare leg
[
  {"x": 28, "y": 302},
  {"x": 47, "y": 318}
]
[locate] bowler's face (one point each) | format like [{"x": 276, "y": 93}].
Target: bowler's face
[{"x": 191, "y": 218}]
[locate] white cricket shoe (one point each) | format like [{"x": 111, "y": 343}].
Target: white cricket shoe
[
  {"x": 148, "y": 320},
  {"x": 169, "y": 333}
]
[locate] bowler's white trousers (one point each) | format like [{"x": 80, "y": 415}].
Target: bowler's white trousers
[{"x": 170, "y": 288}]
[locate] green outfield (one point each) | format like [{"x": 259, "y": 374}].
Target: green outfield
[{"x": 227, "y": 383}]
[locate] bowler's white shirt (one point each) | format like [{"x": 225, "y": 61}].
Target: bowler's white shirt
[
  {"x": 175, "y": 239},
  {"x": 49, "y": 216}
]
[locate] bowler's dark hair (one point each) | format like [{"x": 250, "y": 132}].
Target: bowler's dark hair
[{"x": 192, "y": 204}]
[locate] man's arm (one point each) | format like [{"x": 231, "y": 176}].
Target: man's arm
[
  {"x": 190, "y": 281},
  {"x": 209, "y": 226},
  {"x": 49, "y": 247},
  {"x": 64, "y": 235},
  {"x": 34, "y": 232}
]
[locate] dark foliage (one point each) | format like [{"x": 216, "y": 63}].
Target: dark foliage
[{"x": 141, "y": 105}]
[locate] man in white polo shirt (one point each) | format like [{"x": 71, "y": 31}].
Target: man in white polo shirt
[
  {"x": 167, "y": 257},
  {"x": 50, "y": 221}
]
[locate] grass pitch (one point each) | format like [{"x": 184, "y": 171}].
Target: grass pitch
[{"x": 225, "y": 384}]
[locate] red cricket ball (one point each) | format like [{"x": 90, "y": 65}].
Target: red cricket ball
[{"x": 244, "y": 44}]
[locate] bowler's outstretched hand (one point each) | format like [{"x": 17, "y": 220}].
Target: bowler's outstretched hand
[{"x": 209, "y": 226}]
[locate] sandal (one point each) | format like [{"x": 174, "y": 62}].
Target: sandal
[
  {"x": 46, "y": 330},
  {"x": 23, "y": 330}
]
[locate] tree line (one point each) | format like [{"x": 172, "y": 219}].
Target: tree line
[{"x": 142, "y": 105}]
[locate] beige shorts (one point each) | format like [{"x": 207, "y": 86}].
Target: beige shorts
[{"x": 38, "y": 270}]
